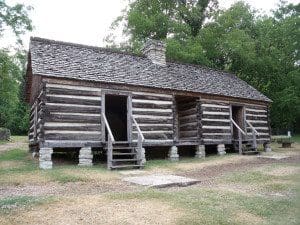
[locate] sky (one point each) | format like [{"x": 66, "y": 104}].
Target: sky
[{"x": 87, "y": 22}]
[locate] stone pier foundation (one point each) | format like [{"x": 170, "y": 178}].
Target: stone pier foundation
[
  {"x": 143, "y": 156},
  {"x": 173, "y": 154},
  {"x": 45, "y": 158},
  {"x": 85, "y": 156},
  {"x": 221, "y": 149},
  {"x": 200, "y": 151},
  {"x": 267, "y": 147}
]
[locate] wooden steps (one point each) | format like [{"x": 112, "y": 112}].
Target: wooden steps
[
  {"x": 126, "y": 166},
  {"x": 247, "y": 147},
  {"x": 124, "y": 156}
]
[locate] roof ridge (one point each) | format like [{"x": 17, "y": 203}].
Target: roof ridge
[
  {"x": 107, "y": 49},
  {"x": 114, "y": 50}
]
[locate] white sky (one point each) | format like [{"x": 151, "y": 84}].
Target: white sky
[{"x": 87, "y": 22}]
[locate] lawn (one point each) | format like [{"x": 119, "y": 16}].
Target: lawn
[{"x": 233, "y": 190}]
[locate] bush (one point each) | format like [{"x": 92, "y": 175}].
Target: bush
[{"x": 4, "y": 134}]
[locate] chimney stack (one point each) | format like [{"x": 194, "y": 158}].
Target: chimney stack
[{"x": 155, "y": 50}]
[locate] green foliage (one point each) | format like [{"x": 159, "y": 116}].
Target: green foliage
[
  {"x": 15, "y": 18},
  {"x": 13, "y": 110},
  {"x": 262, "y": 50}
]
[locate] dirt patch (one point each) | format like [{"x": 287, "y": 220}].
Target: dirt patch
[
  {"x": 216, "y": 162},
  {"x": 248, "y": 218},
  {"x": 98, "y": 210},
  {"x": 68, "y": 189},
  {"x": 283, "y": 171},
  {"x": 11, "y": 164},
  {"x": 208, "y": 172},
  {"x": 11, "y": 145},
  {"x": 92, "y": 175}
]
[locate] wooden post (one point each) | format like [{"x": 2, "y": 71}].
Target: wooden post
[
  {"x": 109, "y": 152},
  {"x": 254, "y": 143},
  {"x": 139, "y": 149},
  {"x": 240, "y": 142}
]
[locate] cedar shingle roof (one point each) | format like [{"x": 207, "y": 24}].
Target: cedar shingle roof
[{"x": 75, "y": 61}]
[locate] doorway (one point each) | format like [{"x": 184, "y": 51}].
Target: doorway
[
  {"x": 238, "y": 117},
  {"x": 116, "y": 114}
]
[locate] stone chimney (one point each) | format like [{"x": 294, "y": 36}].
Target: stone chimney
[{"x": 155, "y": 50}]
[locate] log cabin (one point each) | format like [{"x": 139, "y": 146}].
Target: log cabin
[{"x": 89, "y": 97}]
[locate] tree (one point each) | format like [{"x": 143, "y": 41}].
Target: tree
[
  {"x": 15, "y": 18},
  {"x": 194, "y": 13},
  {"x": 261, "y": 49},
  {"x": 13, "y": 110},
  {"x": 161, "y": 19}
]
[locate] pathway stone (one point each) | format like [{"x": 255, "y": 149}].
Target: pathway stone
[{"x": 161, "y": 180}]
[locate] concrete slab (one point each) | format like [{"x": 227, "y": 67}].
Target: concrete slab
[
  {"x": 132, "y": 172},
  {"x": 161, "y": 180},
  {"x": 277, "y": 157}
]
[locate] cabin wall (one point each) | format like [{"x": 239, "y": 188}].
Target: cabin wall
[
  {"x": 258, "y": 117},
  {"x": 35, "y": 133},
  {"x": 73, "y": 116},
  {"x": 153, "y": 113},
  {"x": 215, "y": 120},
  {"x": 188, "y": 113}
]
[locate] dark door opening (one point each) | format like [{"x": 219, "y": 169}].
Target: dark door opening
[
  {"x": 238, "y": 117},
  {"x": 116, "y": 114}
]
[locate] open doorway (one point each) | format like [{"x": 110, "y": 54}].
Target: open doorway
[
  {"x": 116, "y": 114},
  {"x": 238, "y": 117}
]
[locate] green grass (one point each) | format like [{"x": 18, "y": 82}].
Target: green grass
[
  {"x": 15, "y": 154},
  {"x": 58, "y": 175},
  {"x": 205, "y": 206},
  {"x": 296, "y": 138},
  {"x": 15, "y": 139},
  {"x": 10, "y": 203}
]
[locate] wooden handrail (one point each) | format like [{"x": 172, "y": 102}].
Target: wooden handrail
[
  {"x": 250, "y": 125},
  {"x": 138, "y": 128},
  {"x": 108, "y": 128},
  {"x": 237, "y": 126},
  {"x": 139, "y": 142}
]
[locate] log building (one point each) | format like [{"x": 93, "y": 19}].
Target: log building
[{"x": 89, "y": 97}]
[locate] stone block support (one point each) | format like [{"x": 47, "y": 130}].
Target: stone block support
[
  {"x": 267, "y": 147},
  {"x": 221, "y": 149},
  {"x": 143, "y": 156},
  {"x": 45, "y": 161},
  {"x": 200, "y": 151},
  {"x": 173, "y": 154},
  {"x": 85, "y": 156}
]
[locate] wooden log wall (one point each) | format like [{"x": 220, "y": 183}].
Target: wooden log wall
[
  {"x": 34, "y": 130},
  {"x": 216, "y": 125},
  {"x": 153, "y": 113},
  {"x": 35, "y": 117},
  {"x": 187, "y": 118},
  {"x": 258, "y": 117},
  {"x": 73, "y": 115}
]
